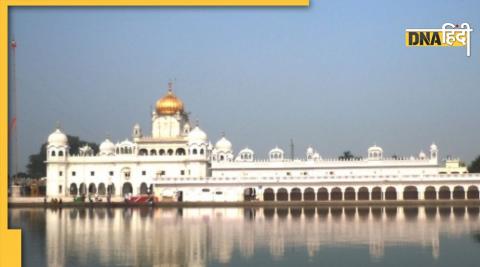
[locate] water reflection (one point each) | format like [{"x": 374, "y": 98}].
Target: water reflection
[{"x": 200, "y": 236}]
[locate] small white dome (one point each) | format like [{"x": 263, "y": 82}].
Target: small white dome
[
  {"x": 310, "y": 150},
  {"x": 223, "y": 145},
  {"x": 197, "y": 135},
  {"x": 316, "y": 156},
  {"x": 246, "y": 150},
  {"x": 276, "y": 154},
  {"x": 433, "y": 147},
  {"x": 422, "y": 155},
  {"x": 375, "y": 148},
  {"x": 57, "y": 138},
  {"x": 276, "y": 149},
  {"x": 107, "y": 147},
  {"x": 246, "y": 154},
  {"x": 126, "y": 142}
]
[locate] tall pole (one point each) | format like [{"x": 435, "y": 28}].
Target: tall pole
[
  {"x": 292, "y": 149},
  {"x": 14, "y": 117}
]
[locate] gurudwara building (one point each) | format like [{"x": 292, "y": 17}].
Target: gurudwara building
[{"x": 177, "y": 162}]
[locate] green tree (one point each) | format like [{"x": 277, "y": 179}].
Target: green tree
[
  {"x": 36, "y": 166},
  {"x": 475, "y": 165},
  {"x": 346, "y": 155}
]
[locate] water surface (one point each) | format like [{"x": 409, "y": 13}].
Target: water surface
[{"x": 413, "y": 236}]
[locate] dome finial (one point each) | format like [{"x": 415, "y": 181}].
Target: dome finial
[
  {"x": 197, "y": 123},
  {"x": 58, "y": 125},
  {"x": 170, "y": 86}
]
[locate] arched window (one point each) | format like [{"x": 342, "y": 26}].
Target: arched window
[
  {"x": 161, "y": 152},
  {"x": 143, "y": 152},
  {"x": 53, "y": 153},
  {"x": 180, "y": 152},
  {"x": 194, "y": 151},
  {"x": 60, "y": 153},
  {"x": 170, "y": 152},
  {"x": 153, "y": 152},
  {"x": 201, "y": 151},
  {"x": 222, "y": 157}
]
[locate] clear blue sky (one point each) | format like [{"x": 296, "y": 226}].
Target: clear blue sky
[{"x": 335, "y": 75}]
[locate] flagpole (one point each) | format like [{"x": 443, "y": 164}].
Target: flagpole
[{"x": 15, "y": 117}]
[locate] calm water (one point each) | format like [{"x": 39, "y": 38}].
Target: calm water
[{"x": 421, "y": 236}]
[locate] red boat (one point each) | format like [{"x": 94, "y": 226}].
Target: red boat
[{"x": 141, "y": 199}]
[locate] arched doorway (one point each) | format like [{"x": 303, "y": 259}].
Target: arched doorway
[
  {"x": 390, "y": 193},
  {"x": 410, "y": 193},
  {"x": 73, "y": 189},
  {"x": 282, "y": 194},
  {"x": 268, "y": 195},
  {"x": 377, "y": 193},
  {"x": 363, "y": 194},
  {"x": 322, "y": 194},
  {"x": 127, "y": 188},
  {"x": 430, "y": 193},
  {"x": 111, "y": 189},
  {"x": 101, "y": 189},
  {"x": 349, "y": 193},
  {"x": 472, "y": 192},
  {"x": 309, "y": 194},
  {"x": 83, "y": 189},
  {"x": 143, "y": 189},
  {"x": 444, "y": 193},
  {"x": 179, "y": 196},
  {"x": 296, "y": 194},
  {"x": 336, "y": 194},
  {"x": 180, "y": 152},
  {"x": 92, "y": 189},
  {"x": 249, "y": 194},
  {"x": 458, "y": 192}
]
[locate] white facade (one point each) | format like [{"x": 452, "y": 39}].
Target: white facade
[{"x": 177, "y": 162}]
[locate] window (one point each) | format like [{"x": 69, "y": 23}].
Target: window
[
  {"x": 201, "y": 151},
  {"x": 162, "y": 173},
  {"x": 60, "y": 189},
  {"x": 205, "y": 190},
  {"x": 60, "y": 153},
  {"x": 182, "y": 172},
  {"x": 170, "y": 152},
  {"x": 144, "y": 173},
  {"x": 110, "y": 173},
  {"x": 92, "y": 173},
  {"x": 161, "y": 152},
  {"x": 74, "y": 173},
  {"x": 53, "y": 153},
  {"x": 219, "y": 192},
  {"x": 60, "y": 173},
  {"x": 194, "y": 151},
  {"x": 288, "y": 173}
]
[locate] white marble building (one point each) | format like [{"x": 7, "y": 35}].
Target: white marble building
[{"x": 177, "y": 162}]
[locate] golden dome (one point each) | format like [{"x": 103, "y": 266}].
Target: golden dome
[{"x": 169, "y": 104}]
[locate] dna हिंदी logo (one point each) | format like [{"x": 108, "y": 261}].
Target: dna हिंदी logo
[{"x": 449, "y": 35}]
